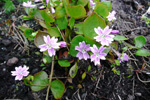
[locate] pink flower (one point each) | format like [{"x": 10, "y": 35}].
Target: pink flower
[
  {"x": 103, "y": 36},
  {"x": 97, "y": 54},
  {"x": 62, "y": 44},
  {"x": 111, "y": 16},
  {"x": 92, "y": 4},
  {"x": 52, "y": 9},
  {"x": 20, "y": 72},
  {"x": 114, "y": 31},
  {"x": 50, "y": 46},
  {"x": 82, "y": 48},
  {"x": 28, "y": 4},
  {"x": 47, "y": 1},
  {"x": 123, "y": 57}
]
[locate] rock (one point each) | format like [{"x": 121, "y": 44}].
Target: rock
[
  {"x": 6, "y": 42},
  {"x": 12, "y": 61}
]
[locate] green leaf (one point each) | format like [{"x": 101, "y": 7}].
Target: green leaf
[
  {"x": 47, "y": 16},
  {"x": 78, "y": 28},
  {"x": 38, "y": 40},
  {"x": 38, "y": 15},
  {"x": 92, "y": 22},
  {"x": 9, "y": 6},
  {"x": 28, "y": 80},
  {"x": 27, "y": 17},
  {"x": 75, "y": 42},
  {"x": 117, "y": 62},
  {"x": 28, "y": 32},
  {"x": 71, "y": 22},
  {"x": 62, "y": 23},
  {"x": 89, "y": 68},
  {"x": 73, "y": 70},
  {"x": 118, "y": 72},
  {"x": 22, "y": 0},
  {"x": 120, "y": 38},
  {"x": 47, "y": 59},
  {"x": 23, "y": 28},
  {"x": 142, "y": 52},
  {"x": 41, "y": 79},
  {"x": 76, "y": 11},
  {"x": 139, "y": 41},
  {"x": 82, "y": 2},
  {"x": 64, "y": 63},
  {"x": 60, "y": 12},
  {"x": 83, "y": 75},
  {"x": 57, "y": 88},
  {"x": 53, "y": 31},
  {"x": 108, "y": 4},
  {"x": 101, "y": 10}
]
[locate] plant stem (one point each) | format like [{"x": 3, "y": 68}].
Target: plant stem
[{"x": 50, "y": 79}]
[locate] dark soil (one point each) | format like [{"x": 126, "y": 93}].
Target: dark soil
[{"x": 101, "y": 83}]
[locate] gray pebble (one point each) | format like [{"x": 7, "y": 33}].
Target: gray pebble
[
  {"x": 6, "y": 42},
  {"x": 12, "y": 61}
]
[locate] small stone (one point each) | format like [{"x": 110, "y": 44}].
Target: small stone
[
  {"x": 138, "y": 94},
  {"x": 12, "y": 61},
  {"x": 2, "y": 33},
  {"x": 6, "y": 42}
]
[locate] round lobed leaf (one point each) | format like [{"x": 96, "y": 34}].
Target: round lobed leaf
[
  {"x": 120, "y": 38},
  {"x": 38, "y": 40},
  {"x": 142, "y": 52},
  {"x": 92, "y": 22},
  {"x": 57, "y": 88},
  {"x": 41, "y": 78},
  {"x": 64, "y": 63},
  {"x": 139, "y": 41}
]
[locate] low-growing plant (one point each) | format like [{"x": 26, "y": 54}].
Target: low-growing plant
[
  {"x": 82, "y": 29},
  {"x": 9, "y": 5}
]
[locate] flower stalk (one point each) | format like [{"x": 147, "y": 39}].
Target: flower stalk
[{"x": 50, "y": 79}]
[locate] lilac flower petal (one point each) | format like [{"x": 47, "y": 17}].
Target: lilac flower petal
[
  {"x": 47, "y": 1},
  {"x": 63, "y": 44},
  {"x": 51, "y": 52},
  {"x": 79, "y": 55},
  {"x": 111, "y": 16},
  {"x": 114, "y": 31},
  {"x": 28, "y": 4},
  {"x": 43, "y": 47},
  {"x": 78, "y": 48},
  {"x": 86, "y": 56},
  {"x": 93, "y": 57},
  {"x": 82, "y": 48},
  {"x": 52, "y": 9},
  {"x": 20, "y": 72},
  {"x": 103, "y": 36},
  {"x": 123, "y": 57},
  {"x": 18, "y": 77},
  {"x": 94, "y": 49},
  {"x": 107, "y": 30},
  {"x": 47, "y": 39},
  {"x": 97, "y": 54}
]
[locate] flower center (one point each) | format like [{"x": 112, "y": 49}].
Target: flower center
[
  {"x": 83, "y": 51},
  {"x": 20, "y": 73},
  {"x": 121, "y": 57},
  {"x": 102, "y": 36},
  {"x": 49, "y": 45},
  {"x": 97, "y": 54}
]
